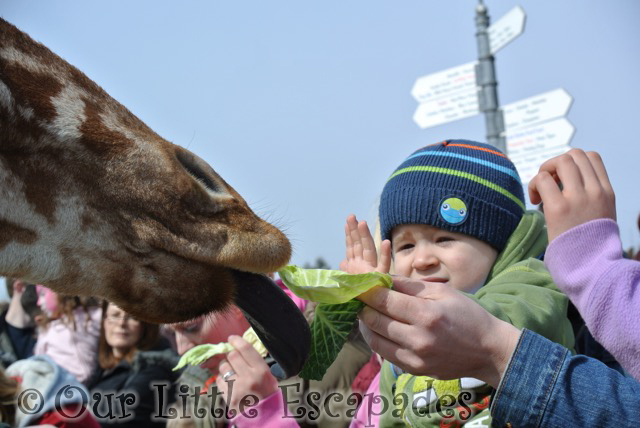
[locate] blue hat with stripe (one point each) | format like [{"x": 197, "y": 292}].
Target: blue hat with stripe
[{"x": 457, "y": 185}]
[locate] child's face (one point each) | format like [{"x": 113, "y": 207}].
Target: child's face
[
  {"x": 47, "y": 300},
  {"x": 437, "y": 256}
]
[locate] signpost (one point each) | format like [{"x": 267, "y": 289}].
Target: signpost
[
  {"x": 447, "y": 109},
  {"x": 530, "y": 130},
  {"x": 506, "y": 29},
  {"x": 528, "y": 165},
  {"x": 445, "y": 83},
  {"x": 536, "y": 109},
  {"x": 545, "y": 136}
]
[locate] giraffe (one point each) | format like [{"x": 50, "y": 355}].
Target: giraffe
[{"x": 94, "y": 202}]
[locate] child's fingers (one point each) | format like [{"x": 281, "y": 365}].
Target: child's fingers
[
  {"x": 534, "y": 196},
  {"x": 565, "y": 168},
  {"x": 348, "y": 243},
  {"x": 385, "y": 256},
  {"x": 356, "y": 243},
  {"x": 547, "y": 190},
  {"x": 585, "y": 167},
  {"x": 600, "y": 170},
  {"x": 369, "y": 253}
]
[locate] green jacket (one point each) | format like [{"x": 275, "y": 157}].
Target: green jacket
[{"x": 519, "y": 290}]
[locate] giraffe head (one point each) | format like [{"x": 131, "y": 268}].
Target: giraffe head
[{"x": 93, "y": 202}]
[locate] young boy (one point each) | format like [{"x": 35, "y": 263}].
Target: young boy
[{"x": 453, "y": 213}]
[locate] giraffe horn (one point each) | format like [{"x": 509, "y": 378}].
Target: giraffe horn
[{"x": 277, "y": 321}]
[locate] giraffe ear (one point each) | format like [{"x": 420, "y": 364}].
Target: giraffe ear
[{"x": 277, "y": 321}]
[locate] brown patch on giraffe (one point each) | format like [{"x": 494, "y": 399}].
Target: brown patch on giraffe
[
  {"x": 86, "y": 221},
  {"x": 11, "y": 232},
  {"x": 31, "y": 89},
  {"x": 41, "y": 182},
  {"x": 99, "y": 139}
]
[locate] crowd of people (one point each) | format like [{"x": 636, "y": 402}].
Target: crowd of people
[{"x": 498, "y": 316}]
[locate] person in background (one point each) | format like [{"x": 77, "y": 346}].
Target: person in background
[
  {"x": 57, "y": 399},
  {"x": 17, "y": 323},
  {"x": 256, "y": 378},
  {"x": 69, "y": 331},
  {"x": 132, "y": 357}
]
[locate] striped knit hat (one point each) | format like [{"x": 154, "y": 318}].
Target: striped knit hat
[{"x": 457, "y": 185}]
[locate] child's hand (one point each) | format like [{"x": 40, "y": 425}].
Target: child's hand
[
  {"x": 361, "y": 250},
  {"x": 251, "y": 374},
  {"x": 586, "y": 191}
]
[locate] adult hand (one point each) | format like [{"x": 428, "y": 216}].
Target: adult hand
[
  {"x": 434, "y": 330},
  {"x": 251, "y": 374},
  {"x": 586, "y": 191},
  {"x": 362, "y": 256}
]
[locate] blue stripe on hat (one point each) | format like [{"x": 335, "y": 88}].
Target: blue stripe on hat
[{"x": 497, "y": 167}]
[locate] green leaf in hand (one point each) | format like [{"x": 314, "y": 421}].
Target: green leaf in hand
[
  {"x": 337, "y": 313},
  {"x": 329, "y": 331},
  {"x": 201, "y": 353}
]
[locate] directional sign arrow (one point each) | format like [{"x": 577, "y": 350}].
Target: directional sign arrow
[
  {"x": 536, "y": 109},
  {"x": 506, "y": 29},
  {"x": 529, "y": 164},
  {"x": 445, "y": 83},
  {"x": 536, "y": 138},
  {"x": 458, "y": 106}
]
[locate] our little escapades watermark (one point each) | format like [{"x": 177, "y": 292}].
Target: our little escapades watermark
[{"x": 193, "y": 402}]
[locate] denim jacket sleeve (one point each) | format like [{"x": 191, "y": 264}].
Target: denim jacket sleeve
[{"x": 544, "y": 385}]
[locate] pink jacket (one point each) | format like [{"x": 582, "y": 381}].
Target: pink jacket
[{"x": 74, "y": 350}]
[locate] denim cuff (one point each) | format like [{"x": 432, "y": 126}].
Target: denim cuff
[{"x": 528, "y": 381}]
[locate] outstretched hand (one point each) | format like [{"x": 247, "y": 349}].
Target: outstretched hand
[
  {"x": 434, "y": 330},
  {"x": 586, "y": 191},
  {"x": 362, "y": 256},
  {"x": 251, "y": 374}
]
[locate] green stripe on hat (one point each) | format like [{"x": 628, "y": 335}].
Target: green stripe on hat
[{"x": 461, "y": 174}]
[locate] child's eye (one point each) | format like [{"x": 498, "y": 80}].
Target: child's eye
[
  {"x": 404, "y": 247},
  {"x": 443, "y": 239}
]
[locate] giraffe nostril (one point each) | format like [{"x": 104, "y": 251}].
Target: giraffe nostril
[{"x": 198, "y": 169}]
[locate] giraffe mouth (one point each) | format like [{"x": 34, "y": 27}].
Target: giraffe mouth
[{"x": 277, "y": 321}]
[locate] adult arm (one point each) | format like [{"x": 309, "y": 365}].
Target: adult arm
[
  {"x": 420, "y": 329},
  {"x": 544, "y": 385}
]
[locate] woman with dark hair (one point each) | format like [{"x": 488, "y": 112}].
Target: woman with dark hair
[{"x": 130, "y": 359}]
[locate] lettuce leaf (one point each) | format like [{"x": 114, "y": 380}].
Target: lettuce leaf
[
  {"x": 337, "y": 311},
  {"x": 201, "y": 353},
  {"x": 330, "y": 286},
  {"x": 329, "y": 332}
]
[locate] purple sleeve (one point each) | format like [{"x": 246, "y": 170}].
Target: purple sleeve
[
  {"x": 268, "y": 413},
  {"x": 586, "y": 263}
]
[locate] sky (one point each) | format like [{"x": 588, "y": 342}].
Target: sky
[{"x": 305, "y": 108}]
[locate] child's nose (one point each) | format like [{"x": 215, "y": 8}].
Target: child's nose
[{"x": 425, "y": 259}]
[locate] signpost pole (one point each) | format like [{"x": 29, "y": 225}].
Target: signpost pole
[{"x": 486, "y": 81}]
